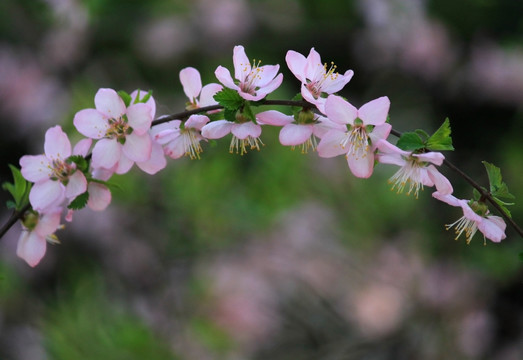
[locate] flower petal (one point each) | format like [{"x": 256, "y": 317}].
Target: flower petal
[
  {"x": 296, "y": 63},
  {"x": 82, "y": 147},
  {"x": 99, "y": 196},
  {"x": 224, "y": 76},
  {"x": 375, "y": 112},
  {"x": 216, "y": 129},
  {"x": 493, "y": 227},
  {"x": 57, "y": 144},
  {"x": 106, "y": 153},
  {"x": 273, "y": 117},
  {"x": 109, "y": 103},
  {"x": 207, "y": 94},
  {"x": 241, "y": 62},
  {"x": 191, "y": 82},
  {"x": 140, "y": 119},
  {"x": 49, "y": 222},
  {"x": 77, "y": 185},
  {"x": 91, "y": 123},
  {"x": 31, "y": 247},
  {"x": 361, "y": 166},
  {"x": 35, "y": 168},
  {"x": 433, "y": 157},
  {"x": 340, "y": 111},
  {"x": 293, "y": 134},
  {"x": 330, "y": 144},
  {"x": 46, "y": 194},
  {"x": 443, "y": 185},
  {"x": 196, "y": 121},
  {"x": 138, "y": 147},
  {"x": 151, "y": 102},
  {"x": 157, "y": 161},
  {"x": 242, "y": 131}
]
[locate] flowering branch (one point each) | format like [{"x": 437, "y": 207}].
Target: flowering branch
[{"x": 122, "y": 131}]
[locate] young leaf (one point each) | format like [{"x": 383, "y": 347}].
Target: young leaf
[
  {"x": 422, "y": 134},
  {"x": 497, "y": 187},
  {"x": 229, "y": 99},
  {"x": 247, "y": 111},
  {"x": 125, "y": 97},
  {"x": 230, "y": 115},
  {"x": 410, "y": 141},
  {"x": 147, "y": 97},
  {"x": 79, "y": 202},
  {"x": 441, "y": 139},
  {"x": 19, "y": 189},
  {"x": 503, "y": 206},
  {"x": 80, "y": 162}
]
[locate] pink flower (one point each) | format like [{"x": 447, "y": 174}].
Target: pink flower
[
  {"x": 245, "y": 134},
  {"x": 192, "y": 86},
  {"x": 55, "y": 179},
  {"x": 365, "y": 127},
  {"x": 298, "y": 132},
  {"x": 181, "y": 138},
  {"x": 316, "y": 79},
  {"x": 415, "y": 169},
  {"x": 36, "y": 231},
  {"x": 475, "y": 217},
  {"x": 122, "y": 132},
  {"x": 254, "y": 82}
]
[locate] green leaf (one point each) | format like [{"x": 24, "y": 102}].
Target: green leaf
[
  {"x": 229, "y": 99},
  {"x": 125, "y": 97},
  {"x": 441, "y": 139},
  {"x": 80, "y": 162},
  {"x": 497, "y": 187},
  {"x": 247, "y": 112},
  {"x": 147, "y": 96},
  {"x": 410, "y": 141},
  {"x": 521, "y": 256},
  {"x": 230, "y": 115},
  {"x": 503, "y": 205},
  {"x": 422, "y": 133},
  {"x": 79, "y": 202},
  {"x": 476, "y": 194},
  {"x": 19, "y": 189}
]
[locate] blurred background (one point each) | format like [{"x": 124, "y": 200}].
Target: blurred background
[{"x": 275, "y": 254}]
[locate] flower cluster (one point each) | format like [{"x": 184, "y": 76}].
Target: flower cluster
[{"x": 119, "y": 133}]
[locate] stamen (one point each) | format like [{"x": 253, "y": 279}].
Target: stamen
[
  {"x": 466, "y": 225},
  {"x": 240, "y": 145},
  {"x": 358, "y": 142}
]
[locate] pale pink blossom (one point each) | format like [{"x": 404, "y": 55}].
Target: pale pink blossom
[
  {"x": 245, "y": 135},
  {"x": 303, "y": 131},
  {"x": 122, "y": 132},
  {"x": 37, "y": 230},
  {"x": 365, "y": 127},
  {"x": 181, "y": 139},
  {"x": 475, "y": 217},
  {"x": 317, "y": 79},
  {"x": 253, "y": 82},
  {"x": 415, "y": 169},
  {"x": 55, "y": 179},
  {"x": 192, "y": 87}
]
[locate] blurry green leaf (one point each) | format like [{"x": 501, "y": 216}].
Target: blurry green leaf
[
  {"x": 497, "y": 187},
  {"x": 441, "y": 139},
  {"x": 410, "y": 141},
  {"x": 79, "y": 202},
  {"x": 125, "y": 97},
  {"x": 230, "y": 115},
  {"x": 476, "y": 194},
  {"x": 521, "y": 256},
  {"x": 19, "y": 189},
  {"x": 80, "y": 161},
  {"x": 422, "y": 133},
  {"x": 247, "y": 111},
  {"x": 229, "y": 99}
]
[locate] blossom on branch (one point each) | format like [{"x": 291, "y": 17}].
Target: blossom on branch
[
  {"x": 317, "y": 81},
  {"x": 475, "y": 217},
  {"x": 122, "y": 132},
  {"x": 415, "y": 169},
  {"x": 364, "y": 128},
  {"x": 253, "y": 82},
  {"x": 246, "y": 134},
  {"x": 55, "y": 178},
  {"x": 192, "y": 87}
]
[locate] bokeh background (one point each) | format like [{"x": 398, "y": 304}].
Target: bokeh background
[{"x": 275, "y": 254}]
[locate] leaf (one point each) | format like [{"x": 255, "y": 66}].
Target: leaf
[
  {"x": 247, "y": 112},
  {"x": 229, "y": 99},
  {"x": 230, "y": 115},
  {"x": 503, "y": 205},
  {"x": 476, "y": 194},
  {"x": 79, "y": 202},
  {"x": 125, "y": 97},
  {"x": 79, "y": 160},
  {"x": 147, "y": 96},
  {"x": 19, "y": 189},
  {"x": 410, "y": 141},
  {"x": 441, "y": 139},
  {"x": 521, "y": 256},
  {"x": 497, "y": 187},
  {"x": 422, "y": 134}
]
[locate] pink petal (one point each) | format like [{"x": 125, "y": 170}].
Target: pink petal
[
  {"x": 137, "y": 147},
  {"x": 207, "y": 94},
  {"x": 340, "y": 111},
  {"x": 273, "y": 117},
  {"x": 151, "y": 102},
  {"x": 191, "y": 82},
  {"x": 293, "y": 134},
  {"x": 216, "y": 129},
  {"x": 375, "y": 112},
  {"x": 157, "y": 161},
  {"x": 296, "y": 63},
  {"x": 49, "y": 222},
  {"x": 443, "y": 185},
  {"x": 109, "y": 103},
  {"x": 448, "y": 198},
  {"x": 196, "y": 121},
  {"x": 267, "y": 89},
  {"x": 330, "y": 144},
  {"x": 313, "y": 65},
  {"x": 91, "y": 123},
  {"x": 332, "y": 85},
  {"x": 391, "y": 154},
  {"x": 140, "y": 119},
  {"x": 325, "y": 125},
  {"x": 57, "y": 144},
  {"x": 82, "y": 147},
  {"x": 433, "y": 157},
  {"x": 123, "y": 165},
  {"x": 99, "y": 196},
  {"x": 106, "y": 153},
  {"x": 380, "y": 132},
  {"x": 35, "y": 168},
  {"x": 361, "y": 166},
  {"x": 267, "y": 74},
  {"x": 77, "y": 185},
  {"x": 242, "y": 131},
  {"x": 176, "y": 148},
  {"x": 224, "y": 76},
  {"x": 31, "y": 247},
  {"x": 493, "y": 227},
  {"x": 46, "y": 194},
  {"x": 241, "y": 62}
]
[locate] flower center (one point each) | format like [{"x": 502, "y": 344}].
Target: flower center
[
  {"x": 315, "y": 86},
  {"x": 61, "y": 170},
  {"x": 240, "y": 145},
  {"x": 466, "y": 225},
  {"x": 357, "y": 142},
  {"x": 248, "y": 85},
  {"x": 118, "y": 129},
  {"x": 411, "y": 174},
  {"x": 191, "y": 143}
]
